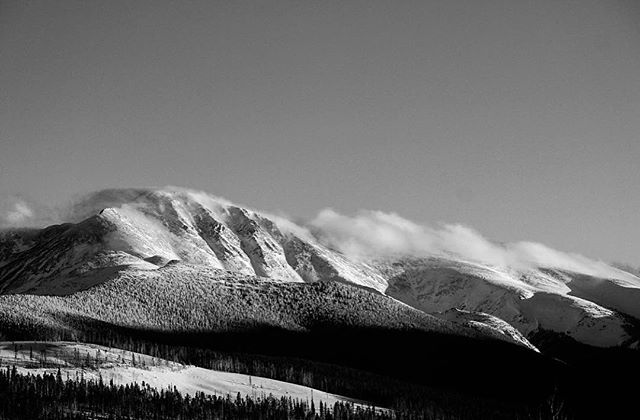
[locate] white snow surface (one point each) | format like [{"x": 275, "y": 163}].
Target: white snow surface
[
  {"x": 93, "y": 362},
  {"x": 129, "y": 228},
  {"x": 489, "y": 324},
  {"x": 530, "y": 300}
]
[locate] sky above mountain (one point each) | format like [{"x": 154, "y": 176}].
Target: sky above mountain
[{"x": 518, "y": 118}]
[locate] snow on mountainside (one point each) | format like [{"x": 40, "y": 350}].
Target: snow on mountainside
[
  {"x": 140, "y": 227},
  {"x": 527, "y": 300},
  {"x": 489, "y": 324},
  {"x": 187, "y": 298},
  {"x": 145, "y": 229}
]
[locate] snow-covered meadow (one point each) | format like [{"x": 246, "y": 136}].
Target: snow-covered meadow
[{"x": 94, "y": 362}]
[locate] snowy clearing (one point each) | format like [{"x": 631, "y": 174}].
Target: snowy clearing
[{"x": 90, "y": 361}]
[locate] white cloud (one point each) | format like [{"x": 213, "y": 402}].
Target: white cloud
[
  {"x": 19, "y": 214},
  {"x": 379, "y": 234},
  {"x": 16, "y": 212}
]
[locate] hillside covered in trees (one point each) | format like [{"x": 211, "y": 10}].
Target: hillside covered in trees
[{"x": 332, "y": 336}]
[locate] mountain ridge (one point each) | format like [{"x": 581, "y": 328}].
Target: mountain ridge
[{"x": 145, "y": 229}]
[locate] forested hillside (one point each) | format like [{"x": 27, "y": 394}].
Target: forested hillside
[
  {"x": 318, "y": 329},
  {"x": 183, "y": 298}
]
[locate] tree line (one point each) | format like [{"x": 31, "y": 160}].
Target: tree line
[{"x": 49, "y": 396}]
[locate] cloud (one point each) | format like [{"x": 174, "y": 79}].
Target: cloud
[
  {"x": 375, "y": 233},
  {"x": 16, "y": 211},
  {"x": 379, "y": 234},
  {"x": 371, "y": 233},
  {"x": 20, "y": 213}
]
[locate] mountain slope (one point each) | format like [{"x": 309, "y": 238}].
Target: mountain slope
[
  {"x": 531, "y": 300},
  {"x": 159, "y": 226},
  {"x": 189, "y": 298},
  {"x": 326, "y": 322},
  {"x": 115, "y": 233}
]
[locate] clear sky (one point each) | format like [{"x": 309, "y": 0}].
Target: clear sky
[{"x": 519, "y": 118}]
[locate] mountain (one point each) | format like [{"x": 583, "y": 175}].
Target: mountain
[
  {"x": 142, "y": 233},
  {"x": 596, "y": 311},
  {"x": 148, "y": 228}
]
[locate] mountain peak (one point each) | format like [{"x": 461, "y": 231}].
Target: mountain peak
[{"x": 146, "y": 228}]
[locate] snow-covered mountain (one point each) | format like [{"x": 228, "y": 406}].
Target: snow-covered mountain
[
  {"x": 591, "y": 310},
  {"x": 146, "y": 229}
]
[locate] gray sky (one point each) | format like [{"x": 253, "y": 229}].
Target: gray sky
[{"x": 519, "y": 118}]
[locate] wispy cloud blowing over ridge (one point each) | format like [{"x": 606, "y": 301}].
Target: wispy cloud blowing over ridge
[{"x": 379, "y": 234}]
